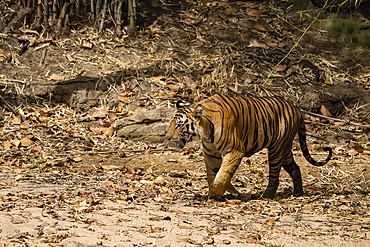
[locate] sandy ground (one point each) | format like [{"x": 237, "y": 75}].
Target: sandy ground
[{"x": 39, "y": 213}]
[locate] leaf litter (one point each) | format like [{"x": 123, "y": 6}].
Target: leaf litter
[{"x": 58, "y": 187}]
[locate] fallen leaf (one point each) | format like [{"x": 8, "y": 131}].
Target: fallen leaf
[
  {"x": 255, "y": 43},
  {"x": 56, "y": 77},
  {"x": 223, "y": 17},
  {"x": 280, "y": 68},
  {"x": 231, "y": 10},
  {"x": 79, "y": 72},
  {"x": 233, "y": 202},
  {"x": 327, "y": 82},
  {"x": 86, "y": 44},
  {"x": 250, "y": 240},
  {"x": 109, "y": 131},
  {"x": 26, "y": 142},
  {"x": 253, "y": 12},
  {"x": 260, "y": 28},
  {"x": 16, "y": 121},
  {"x": 226, "y": 241},
  {"x": 15, "y": 142},
  {"x": 106, "y": 72},
  {"x": 367, "y": 84},
  {"x": 130, "y": 170},
  {"x": 270, "y": 222},
  {"x": 159, "y": 78},
  {"x": 358, "y": 148},
  {"x": 324, "y": 111},
  {"x": 124, "y": 99},
  {"x": 4, "y": 55},
  {"x": 343, "y": 207},
  {"x": 108, "y": 167},
  {"x": 77, "y": 158},
  {"x": 308, "y": 207},
  {"x": 352, "y": 152}
]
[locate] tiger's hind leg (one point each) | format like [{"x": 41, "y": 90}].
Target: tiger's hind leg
[
  {"x": 274, "y": 171},
  {"x": 213, "y": 164},
  {"x": 295, "y": 173}
]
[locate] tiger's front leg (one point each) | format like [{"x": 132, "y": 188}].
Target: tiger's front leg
[
  {"x": 213, "y": 164},
  {"x": 230, "y": 164}
]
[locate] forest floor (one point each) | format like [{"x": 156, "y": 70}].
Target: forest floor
[{"x": 67, "y": 179}]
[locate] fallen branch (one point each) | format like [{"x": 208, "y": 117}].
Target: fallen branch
[{"x": 335, "y": 119}]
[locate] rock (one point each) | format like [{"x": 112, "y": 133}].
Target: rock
[
  {"x": 147, "y": 117},
  {"x": 150, "y": 126}
]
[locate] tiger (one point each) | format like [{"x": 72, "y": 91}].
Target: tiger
[{"x": 231, "y": 128}]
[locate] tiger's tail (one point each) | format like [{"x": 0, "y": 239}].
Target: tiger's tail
[{"x": 303, "y": 144}]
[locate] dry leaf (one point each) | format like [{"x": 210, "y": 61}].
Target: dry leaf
[
  {"x": 358, "y": 148},
  {"x": 367, "y": 84},
  {"x": 159, "y": 78},
  {"x": 324, "y": 111},
  {"x": 231, "y": 10},
  {"x": 106, "y": 72},
  {"x": 56, "y": 77},
  {"x": 260, "y": 28},
  {"x": 226, "y": 241},
  {"x": 234, "y": 201},
  {"x": 252, "y": 12},
  {"x": 16, "y": 121},
  {"x": 4, "y": 55},
  {"x": 79, "y": 72},
  {"x": 280, "y": 68},
  {"x": 327, "y": 82},
  {"x": 77, "y": 158},
  {"x": 15, "y": 142},
  {"x": 7, "y": 145},
  {"x": 130, "y": 170},
  {"x": 255, "y": 43},
  {"x": 86, "y": 44},
  {"x": 124, "y": 99},
  {"x": 272, "y": 44},
  {"x": 223, "y": 17},
  {"x": 308, "y": 207},
  {"x": 250, "y": 240},
  {"x": 270, "y": 222},
  {"x": 26, "y": 142},
  {"x": 109, "y": 131},
  {"x": 352, "y": 152}
]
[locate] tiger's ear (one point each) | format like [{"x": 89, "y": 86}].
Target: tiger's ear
[
  {"x": 180, "y": 104},
  {"x": 197, "y": 113}
]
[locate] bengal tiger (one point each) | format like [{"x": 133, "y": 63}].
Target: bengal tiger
[{"x": 231, "y": 128}]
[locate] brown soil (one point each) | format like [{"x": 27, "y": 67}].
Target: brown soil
[{"x": 159, "y": 199}]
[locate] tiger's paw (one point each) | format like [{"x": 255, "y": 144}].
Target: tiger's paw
[
  {"x": 268, "y": 194},
  {"x": 298, "y": 193},
  {"x": 216, "y": 191}
]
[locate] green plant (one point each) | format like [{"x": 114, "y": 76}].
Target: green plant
[
  {"x": 352, "y": 31},
  {"x": 347, "y": 27},
  {"x": 364, "y": 39},
  {"x": 35, "y": 162}
]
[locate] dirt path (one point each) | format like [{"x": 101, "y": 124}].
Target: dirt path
[{"x": 165, "y": 205}]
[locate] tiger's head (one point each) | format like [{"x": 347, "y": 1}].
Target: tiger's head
[{"x": 182, "y": 126}]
